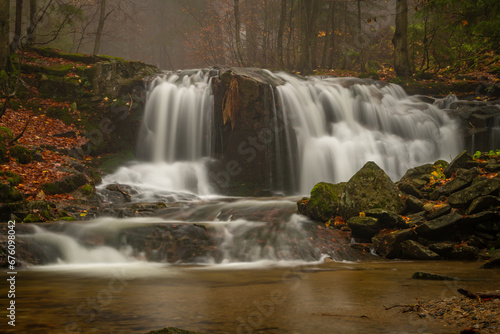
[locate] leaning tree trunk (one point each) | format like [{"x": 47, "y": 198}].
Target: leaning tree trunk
[
  {"x": 400, "y": 40},
  {"x": 100, "y": 27},
  {"x": 4, "y": 33}
]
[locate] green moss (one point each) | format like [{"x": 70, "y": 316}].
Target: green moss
[
  {"x": 110, "y": 163},
  {"x": 12, "y": 178},
  {"x": 88, "y": 190},
  {"x": 31, "y": 218},
  {"x": 21, "y": 154},
  {"x": 67, "y": 218},
  {"x": 61, "y": 114}
]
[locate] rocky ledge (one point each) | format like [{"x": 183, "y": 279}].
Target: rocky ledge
[{"x": 436, "y": 211}]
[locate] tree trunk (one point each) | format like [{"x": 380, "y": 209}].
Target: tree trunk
[
  {"x": 238, "y": 31},
  {"x": 281, "y": 32},
  {"x": 100, "y": 27},
  {"x": 332, "y": 36},
  {"x": 4, "y": 33},
  {"x": 307, "y": 34},
  {"x": 32, "y": 26},
  {"x": 400, "y": 40},
  {"x": 17, "y": 26}
]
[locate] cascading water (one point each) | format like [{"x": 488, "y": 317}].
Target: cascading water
[
  {"x": 175, "y": 138},
  {"x": 341, "y": 123},
  {"x": 333, "y": 126}
]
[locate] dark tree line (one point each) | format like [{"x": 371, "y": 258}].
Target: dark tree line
[{"x": 296, "y": 35}]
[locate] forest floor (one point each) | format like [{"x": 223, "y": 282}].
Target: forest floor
[{"x": 474, "y": 316}]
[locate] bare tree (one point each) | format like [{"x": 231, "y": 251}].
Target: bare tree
[
  {"x": 400, "y": 40},
  {"x": 17, "y": 26},
  {"x": 100, "y": 27},
  {"x": 4, "y": 33}
]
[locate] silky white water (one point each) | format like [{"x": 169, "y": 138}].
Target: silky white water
[
  {"x": 342, "y": 123},
  {"x": 333, "y": 126}
]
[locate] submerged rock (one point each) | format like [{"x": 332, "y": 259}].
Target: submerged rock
[
  {"x": 369, "y": 188},
  {"x": 432, "y": 276}
]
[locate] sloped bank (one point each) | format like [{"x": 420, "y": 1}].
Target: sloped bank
[{"x": 436, "y": 211}]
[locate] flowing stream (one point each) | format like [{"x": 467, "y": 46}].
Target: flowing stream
[{"x": 239, "y": 265}]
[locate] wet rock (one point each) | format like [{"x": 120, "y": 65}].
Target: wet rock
[
  {"x": 464, "y": 179},
  {"x": 387, "y": 243},
  {"x": 437, "y": 212},
  {"x": 364, "y": 227},
  {"x": 483, "y": 203},
  {"x": 464, "y": 253},
  {"x": 439, "y": 227},
  {"x": 416, "y": 219},
  {"x": 369, "y": 188},
  {"x": 386, "y": 219},
  {"x": 432, "y": 276},
  {"x": 410, "y": 189},
  {"x": 66, "y": 185},
  {"x": 323, "y": 203},
  {"x": 494, "y": 261},
  {"x": 412, "y": 205},
  {"x": 411, "y": 249},
  {"x": 475, "y": 220},
  {"x": 461, "y": 161},
  {"x": 419, "y": 173},
  {"x": 465, "y": 197},
  {"x": 444, "y": 249}
]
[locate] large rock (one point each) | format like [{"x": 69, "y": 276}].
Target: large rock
[
  {"x": 388, "y": 244},
  {"x": 464, "y": 198},
  {"x": 439, "y": 227},
  {"x": 461, "y": 161},
  {"x": 411, "y": 249},
  {"x": 494, "y": 262},
  {"x": 66, "y": 185},
  {"x": 464, "y": 179},
  {"x": 369, "y": 188},
  {"x": 324, "y": 201},
  {"x": 363, "y": 227}
]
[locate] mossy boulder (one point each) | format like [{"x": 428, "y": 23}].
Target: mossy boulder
[
  {"x": 324, "y": 201},
  {"x": 369, "y": 188},
  {"x": 66, "y": 185},
  {"x": 8, "y": 194},
  {"x": 21, "y": 154}
]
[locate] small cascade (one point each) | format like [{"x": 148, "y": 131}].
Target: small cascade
[
  {"x": 139, "y": 240},
  {"x": 341, "y": 123}
]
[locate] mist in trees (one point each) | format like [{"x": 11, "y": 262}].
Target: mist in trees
[{"x": 305, "y": 36}]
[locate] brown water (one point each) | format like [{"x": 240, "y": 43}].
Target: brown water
[{"x": 322, "y": 298}]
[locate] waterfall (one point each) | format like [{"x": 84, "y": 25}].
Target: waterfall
[
  {"x": 175, "y": 140},
  {"x": 331, "y": 128},
  {"x": 341, "y": 123}
]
